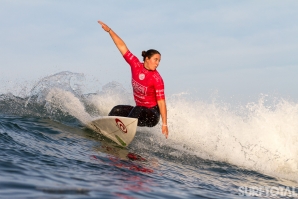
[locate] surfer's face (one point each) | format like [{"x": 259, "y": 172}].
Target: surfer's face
[{"x": 153, "y": 62}]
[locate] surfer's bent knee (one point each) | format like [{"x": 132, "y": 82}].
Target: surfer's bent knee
[{"x": 120, "y": 110}]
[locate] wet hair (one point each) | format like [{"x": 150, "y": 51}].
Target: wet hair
[{"x": 149, "y": 53}]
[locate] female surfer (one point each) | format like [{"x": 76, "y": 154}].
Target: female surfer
[{"x": 148, "y": 86}]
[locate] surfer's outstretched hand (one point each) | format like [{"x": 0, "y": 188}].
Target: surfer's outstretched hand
[
  {"x": 165, "y": 131},
  {"x": 104, "y": 26}
]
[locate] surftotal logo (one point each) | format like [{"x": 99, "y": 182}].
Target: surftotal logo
[{"x": 120, "y": 125}]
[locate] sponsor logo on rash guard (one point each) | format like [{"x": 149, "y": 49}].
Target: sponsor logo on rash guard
[
  {"x": 141, "y": 76},
  {"x": 130, "y": 56},
  {"x": 138, "y": 87},
  {"x": 160, "y": 93}
]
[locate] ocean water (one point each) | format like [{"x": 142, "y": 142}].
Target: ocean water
[{"x": 214, "y": 149}]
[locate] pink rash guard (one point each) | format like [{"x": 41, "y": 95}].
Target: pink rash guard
[{"x": 148, "y": 86}]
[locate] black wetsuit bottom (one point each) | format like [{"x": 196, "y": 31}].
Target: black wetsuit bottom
[{"x": 146, "y": 116}]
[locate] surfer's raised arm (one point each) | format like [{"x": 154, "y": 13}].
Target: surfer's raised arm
[{"x": 117, "y": 40}]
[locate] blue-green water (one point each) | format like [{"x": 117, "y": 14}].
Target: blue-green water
[{"x": 46, "y": 152}]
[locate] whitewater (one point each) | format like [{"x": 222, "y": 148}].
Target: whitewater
[{"x": 214, "y": 150}]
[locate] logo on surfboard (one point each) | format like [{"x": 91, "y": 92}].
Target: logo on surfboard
[{"x": 120, "y": 125}]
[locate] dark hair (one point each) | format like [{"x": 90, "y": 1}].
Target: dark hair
[{"x": 149, "y": 53}]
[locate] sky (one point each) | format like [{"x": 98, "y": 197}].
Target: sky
[{"x": 237, "y": 50}]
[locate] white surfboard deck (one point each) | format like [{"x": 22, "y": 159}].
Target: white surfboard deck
[{"x": 121, "y": 130}]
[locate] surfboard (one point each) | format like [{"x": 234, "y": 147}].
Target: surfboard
[{"x": 121, "y": 130}]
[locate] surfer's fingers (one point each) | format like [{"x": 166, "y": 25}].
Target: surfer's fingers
[
  {"x": 100, "y": 22},
  {"x": 166, "y": 133},
  {"x": 103, "y": 25}
]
